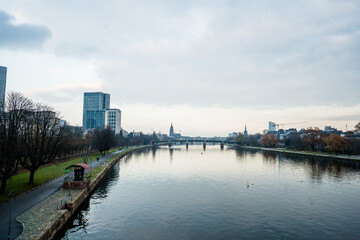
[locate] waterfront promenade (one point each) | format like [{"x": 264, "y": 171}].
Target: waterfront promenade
[{"x": 31, "y": 198}]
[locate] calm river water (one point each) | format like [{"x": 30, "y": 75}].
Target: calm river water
[{"x": 222, "y": 194}]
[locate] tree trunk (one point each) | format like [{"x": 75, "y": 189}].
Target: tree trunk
[
  {"x": 3, "y": 185},
  {"x": 32, "y": 174}
]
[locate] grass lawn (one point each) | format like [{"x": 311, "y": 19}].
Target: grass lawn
[{"x": 18, "y": 184}]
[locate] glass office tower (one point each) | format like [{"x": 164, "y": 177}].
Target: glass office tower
[
  {"x": 95, "y": 105},
  {"x": 2, "y": 87}
]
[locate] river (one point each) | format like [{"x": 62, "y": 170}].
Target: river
[{"x": 222, "y": 194}]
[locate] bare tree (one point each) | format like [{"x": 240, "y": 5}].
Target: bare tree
[
  {"x": 253, "y": 140},
  {"x": 357, "y": 127},
  {"x": 313, "y": 138},
  {"x": 11, "y": 130},
  {"x": 43, "y": 138},
  {"x": 240, "y": 138},
  {"x": 293, "y": 140},
  {"x": 104, "y": 139}
]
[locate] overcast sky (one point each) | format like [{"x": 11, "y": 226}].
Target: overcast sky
[{"x": 209, "y": 67}]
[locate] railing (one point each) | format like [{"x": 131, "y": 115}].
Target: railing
[{"x": 62, "y": 201}]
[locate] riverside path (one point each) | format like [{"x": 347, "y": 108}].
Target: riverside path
[{"x": 31, "y": 198}]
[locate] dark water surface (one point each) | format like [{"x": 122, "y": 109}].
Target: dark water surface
[{"x": 231, "y": 194}]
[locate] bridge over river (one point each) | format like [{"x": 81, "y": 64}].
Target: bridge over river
[{"x": 188, "y": 142}]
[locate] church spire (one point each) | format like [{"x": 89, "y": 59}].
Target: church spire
[
  {"x": 171, "y": 132},
  {"x": 245, "y": 132}
]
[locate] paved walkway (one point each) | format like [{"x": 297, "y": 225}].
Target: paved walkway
[
  {"x": 37, "y": 218},
  {"x": 30, "y": 199}
]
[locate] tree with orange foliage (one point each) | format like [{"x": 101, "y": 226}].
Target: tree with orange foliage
[
  {"x": 335, "y": 143},
  {"x": 268, "y": 140}
]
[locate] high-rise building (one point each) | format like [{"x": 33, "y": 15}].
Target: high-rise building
[
  {"x": 171, "y": 132},
  {"x": 3, "y": 71},
  {"x": 95, "y": 106},
  {"x": 272, "y": 127},
  {"x": 113, "y": 119}
]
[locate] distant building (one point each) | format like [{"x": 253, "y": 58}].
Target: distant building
[
  {"x": 171, "y": 132},
  {"x": 280, "y": 134},
  {"x": 302, "y": 132},
  {"x": 63, "y": 122},
  {"x": 177, "y": 135},
  {"x": 95, "y": 106},
  {"x": 272, "y": 127},
  {"x": 290, "y": 131},
  {"x": 3, "y": 71},
  {"x": 232, "y": 135},
  {"x": 76, "y": 131},
  {"x": 330, "y": 130},
  {"x": 113, "y": 119},
  {"x": 124, "y": 133},
  {"x": 245, "y": 132},
  {"x": 135, "y": 134}
]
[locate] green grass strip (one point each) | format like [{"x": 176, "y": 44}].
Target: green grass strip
[{"x": 18, "y": 184}]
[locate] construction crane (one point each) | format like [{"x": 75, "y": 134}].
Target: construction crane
[{"x": 283, "y": 124}]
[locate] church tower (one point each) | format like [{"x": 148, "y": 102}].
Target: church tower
[
  {"x": 245, "y": 132},
  {"x": 171, "y": 133}
]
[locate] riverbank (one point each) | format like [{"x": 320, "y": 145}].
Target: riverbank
[
  {"x": 323, "y": 155},
  {"x": 18, "y": 184},
  {"x": 45, "y": 219}
]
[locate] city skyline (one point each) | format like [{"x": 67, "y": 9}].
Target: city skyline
[{"x": 207, "y": 67}]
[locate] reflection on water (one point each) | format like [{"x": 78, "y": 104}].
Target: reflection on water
[
  {"x": 316, "y": 167},
  {"x": 153, "y": 150},
  {"x": 174, "y": 193},
  {"x": 81, "y": 218},
  {"x": 80, "y": 222},
  {"x": 171, "y": 151}
]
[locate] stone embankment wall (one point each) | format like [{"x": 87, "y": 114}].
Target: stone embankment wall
[{"x": 70, "y": 208}]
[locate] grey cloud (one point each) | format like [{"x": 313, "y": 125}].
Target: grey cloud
[
  {"x": 344, "y": 118},
  {"x": 76, "y": 50},
  {"x": 22, "y": 35},
  {"x": 242, "y": 53}
]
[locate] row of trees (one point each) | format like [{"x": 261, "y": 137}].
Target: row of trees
[
  {"x": 31, "y": 135},
  {"x": 105, "y": 139},
  {"x": 311, "y": 139},
  {"x": 315, "y": 140}
]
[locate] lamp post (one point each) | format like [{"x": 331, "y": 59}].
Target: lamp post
[{"x": 11, "y": 208}]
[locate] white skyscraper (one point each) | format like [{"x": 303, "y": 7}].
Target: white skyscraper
[{"x": 113, "y": 119}]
